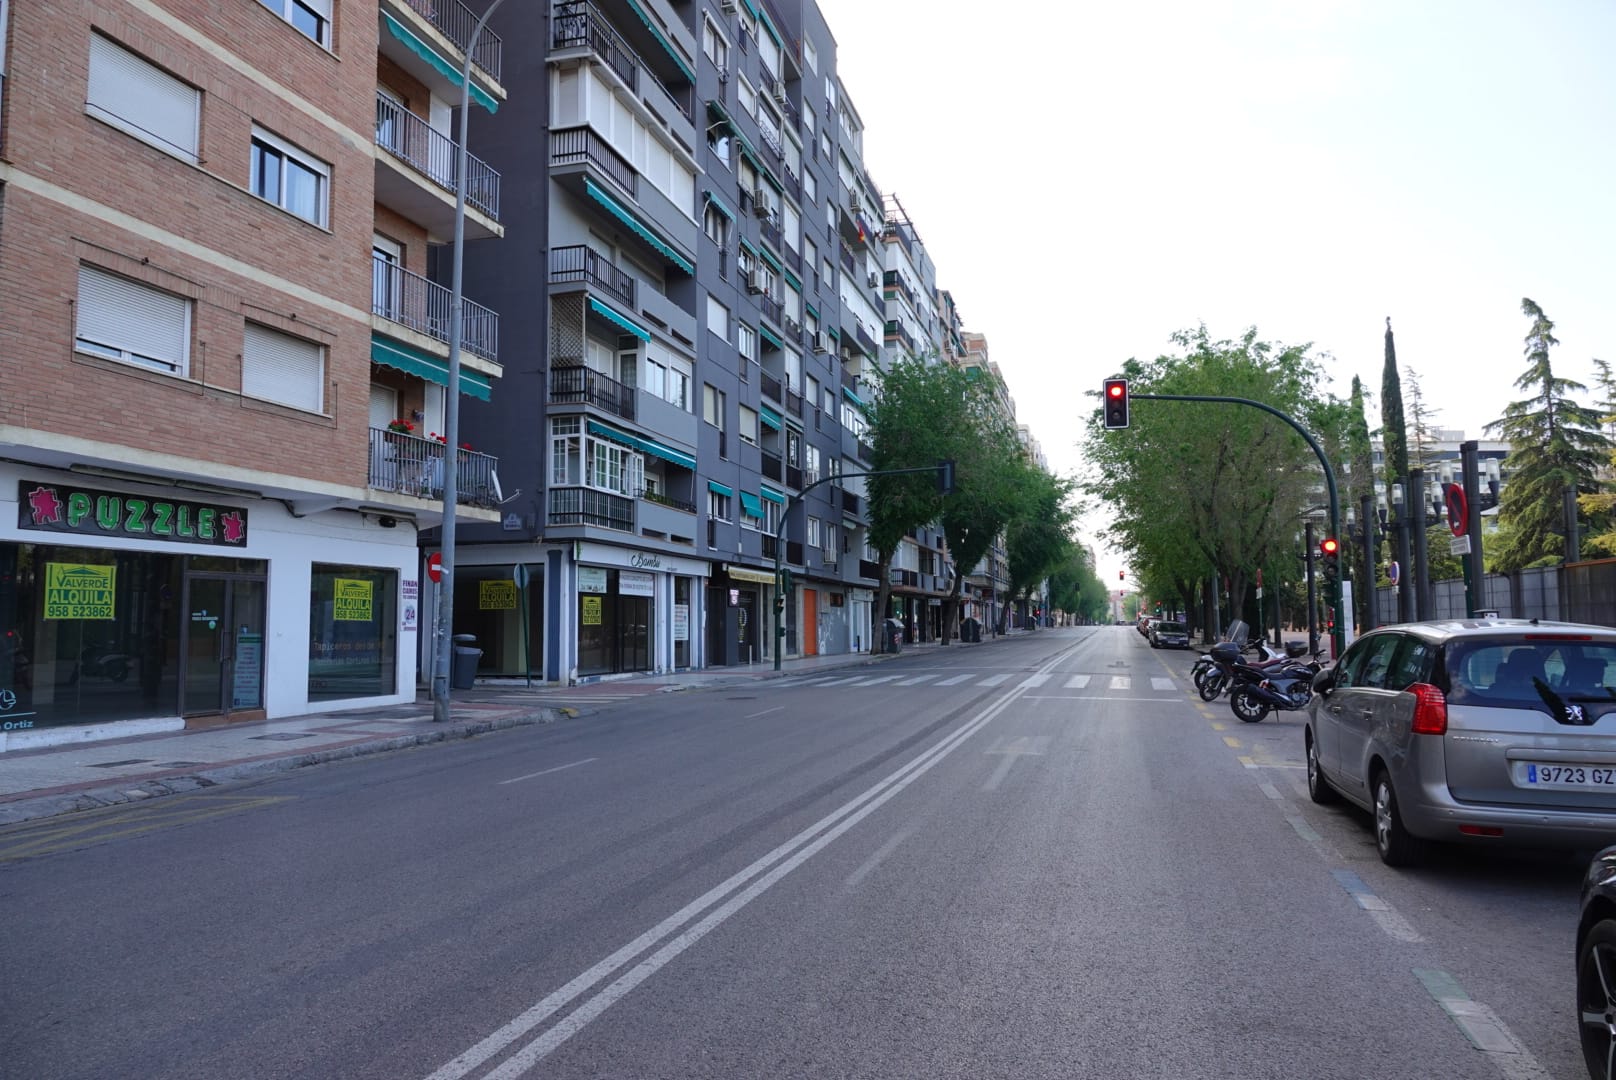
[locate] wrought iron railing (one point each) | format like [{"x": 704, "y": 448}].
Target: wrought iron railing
[
  {"x": 433, "y": 154},
  {"x": 577, "y": 145},
  {"x": 770, "y": 385},
  {"x": 772, "y": 308},
  {"x": 577, "y": 24},
  {"x": 585, "y": 386},
  {"x": 411, "y": 300},
  {"x": 664, "y": 499},
  {"x": 794, "y": 402},
  {"x": 580, "y": 262},
  {"x": 771, "y": 466},
  {"x": 586, "y": 506},
  {"x": 457, "y": 21},
  {"x": 410, "y": 465},
  {"x": 869, "y": 568}
]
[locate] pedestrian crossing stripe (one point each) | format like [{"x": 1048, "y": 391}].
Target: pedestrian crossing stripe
[
  {"x": 994, "y": 680},
  {"x": 1077, "y": 682},
  {"x": 955, "y": 680},
  {"x": 1158, "y": 682},
  {"x": 1034, "y": 680},
  {"x": 1121, "y": 682}
]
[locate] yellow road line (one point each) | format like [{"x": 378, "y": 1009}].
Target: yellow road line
[
  {"x": 54, "y": 836},
  {"x": 1231, "y": 742}
]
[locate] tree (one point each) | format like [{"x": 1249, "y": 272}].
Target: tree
[
  {"x": 1361, "y": 482},
  {"x": 1039, "y": 537},
  {"x": 1393, "y": 431},
  {"x": 1601, "y": 506},
  {"x": 1555, "y": 444},
  {"x": 1424, "y": 435}
]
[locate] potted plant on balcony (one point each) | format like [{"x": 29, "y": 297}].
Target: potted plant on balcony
[{"x": 397, "y": 428}]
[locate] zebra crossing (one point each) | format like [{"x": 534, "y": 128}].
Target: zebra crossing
[{"x": 1095, "y": 683}]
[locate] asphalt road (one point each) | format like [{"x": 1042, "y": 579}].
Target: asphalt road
[{"x": 1043, "y": 857}]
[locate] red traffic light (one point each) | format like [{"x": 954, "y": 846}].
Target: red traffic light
[
  {"x": 1116, "y": 389},
  {"x": 1329, "y": 546},
  {"x": 1120, "y": 575},
  {"x": 1116, "y": 403}
]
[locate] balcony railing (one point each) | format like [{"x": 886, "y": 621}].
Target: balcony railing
[
  {"x": 577, "y": 145},
  {"x": 769, "y": 231},
  {"x": 864, "y": 339},
  {"x": 847, "y": 260},
  {"x": 664, "y": 499},
  {"x": 457, "y": 21},
  {"x": 793, "y": 403},
  {"x": 771, "y": 386},
  {"x": 576, "y": 24},
  {"x": 585, "y": 386},
  {"x": 586, "y": 506},
  {"x": 772, "y": 308},
  {"x": 794, "y": 476},
  {"x": 771, "y": 544},
  {"x": 433, "y": 154},
  {"x": 771, "y": 466},
  {"x": 793, "y": 329},
  {"x": 870, "y": 569},
  {"x": 850, "y": 503},
  {"x": 411, "y": 465},
  {"x": 580, "y": 262},
  {"x": 411, "y": 300}
]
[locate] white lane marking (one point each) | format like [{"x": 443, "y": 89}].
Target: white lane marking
[
  {"x": 1482, "y": 1027},
  {"x": 765, "y": 712},
  {"x": 994, "y": 680},
  {"x": 1159, "y": 682},
  {"x": 843, "y": 681},
  {"x": 871, "y": 680},
  {"x": 1121, "y": 682},
  {"x": 955, "y": 680},
  {"x": 558, "y": 768},
  {"x": 837, "y": 822},
  {"x": 877, "y": 859},
  {"x": 917, "y": 680},
  {"x": 1034, "y": 680},
  {"x": 1096, "y": 697},
  {"x": 1077, "y": 682},
  {"x": 821, "y": 680},
  {"x": 1020, "y": 746}
]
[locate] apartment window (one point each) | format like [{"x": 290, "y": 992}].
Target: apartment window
[
  {"x": 717, "y": 317},
  {"x": 678, "y": 388},
  {"x": 771, "y": 517},
  {"x": 143, "y": 100},
  {"x": 656, "y": 379},
  {"x": 123, "y": 320},
  {"x": 792, "y": 227},
  {"x": 712, "y": 405},
  {"x": 810, "y": 392},
  {"x": 566, "y": 450},
  {"x": 576, "y": 458},
  {"x": 746, "y": 95},
  {"x": 716, "y": 226},
  {"x": 750, "y": 520},
  {"x": 830, "y": 403},
  {"x": 824, "y": 145},
  {"x": 833, "y": 543},
  {"x": 748, "y": 424},
  {"x": 810, "y": 463},
  {"x": 810, "y": 56},
  {"x": 770, "y": 54},
  {"x": 312, "y": 17},
  {"x": 289, "y": 178},
  {"x": 284, "y": 369},
  {"x": 717, "y": 506},
  {"x": 827, "y": 274},
  {"x": 747, "y": 342},
  {"x": 810, "y": 187},
  {"x": 714, "y": 44},
  {"x": 814, "y": 532}
]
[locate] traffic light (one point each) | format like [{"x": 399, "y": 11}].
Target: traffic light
[
  {"x": 1116, "y": 403},
  {"x": 945, "y": 477},
  {"x": 1121, "y": 574},
  {"x": 1330, "y": 555}
]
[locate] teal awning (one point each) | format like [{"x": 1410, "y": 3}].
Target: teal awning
[
  {"x": 763, "y": 20},
  {"x": 656, "y": 32},
  {"x": 750, "y": 505},
  {"x": 833, "y": 332},
  {"x": 719, "y": 489},
  {"x": 772, "y": 495},
  {"x": 613, "y": 434},
  {"x": 621, "y": 320},
  {"x": 791, "y": 279},
  {"x": 645, "y": 446},
  {"x": 640, "y": 229},
  {"x": 847, "y": 392},
  {"x": 718, "y": 204},
  {"x": 812, "y": 310},
  {"x": 769, "y": 417},
  {"x": 769, "y": 335},
  {"x": 412, "y": 361},
  {"x": 441, "y": 63},
  {"x": 768, "y": 257}
]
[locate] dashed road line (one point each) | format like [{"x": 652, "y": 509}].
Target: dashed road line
[{"x": 1481, "y": 1026}]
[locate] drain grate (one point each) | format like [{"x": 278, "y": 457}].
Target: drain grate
[
  {"x": 116, "y": 764},
  {"x": 285, "y": 736}
]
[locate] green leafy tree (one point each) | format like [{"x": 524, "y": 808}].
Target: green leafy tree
[
  {"x": 1039, "y": 537},
  {"x": 1361, "y": 482},
  {"x": 1555, "y": 444}
]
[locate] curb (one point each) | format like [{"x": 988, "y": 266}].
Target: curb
[{"x": 22, "y": 810}]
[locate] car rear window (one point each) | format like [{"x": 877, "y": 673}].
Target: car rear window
[
  {"x": 1517, "y": 670},
  {"x": 1170, "y": 627}
]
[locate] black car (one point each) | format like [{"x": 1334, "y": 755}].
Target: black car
[
  {"x": 1165, "y": 634},
  {"x": 1596, "y": 966}
]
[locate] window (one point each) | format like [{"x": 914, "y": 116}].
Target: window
[
  {"x": 770, "y": 53},
  {"x": 281, "y": 368},
  {"x": 833, "y": 543},
  {"x": 656, "y": 379},
  {"x": 312, "y": 17},
  {"x": 717, "y": 318},
  {"x": 122, "y": 320},
  {"x": 747, "y": 342},
  {"x": 566, "y": 451},
  {"x": 143, "y": 100},
  {"x": 714, "y": 44},
  {"x": 810, "y": 463},
  {"x": 746, "y": 95},
  {"x": 810, "y": 187},
  {"x": 747, "y": 425},
  {"x": 576, "y": 458},
  {"x": 810, "y": 253},
  {"x": 679, "y": 388},
  {"x": 712, "y": 405},
  {"x": 808, "y": 121},
  {"x": 810, "y": 390},
  {"x": 771, "y": 517},
  {"x": 792, "y": 227},
  {"x": 716, "y": 225},
  {"x": 288, "y": 178},
  {"x": 353, "y": 632},
  {"x": 824, "y": 145},
  {"x": 814, "y": 532},
  {"x": 717, "y": 506},
  {"x": 830, "y": 402},
  {"x": 749, "y": 520},
  {"x": 827, "y": 274},
  {"x": 810, "y": 56}
]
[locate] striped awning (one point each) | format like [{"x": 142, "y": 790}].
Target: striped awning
[
  {"x": 772, "y": 495},
  {"x": 423, "y": 365},
  {"x": 769, "y": 417},
  {"x": 439, "y": 62},
  {"x": 624, "y": 321},
  {"x": 719, "y": 489},
  {"x": 638, "y": 227}
]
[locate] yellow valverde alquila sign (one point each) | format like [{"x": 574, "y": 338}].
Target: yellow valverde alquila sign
[
  {"x": 353, "y": 600},
  {"x": 79, "y": 591}
]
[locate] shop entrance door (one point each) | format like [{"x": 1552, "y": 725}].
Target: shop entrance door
[{"x": 223, "y": 646}]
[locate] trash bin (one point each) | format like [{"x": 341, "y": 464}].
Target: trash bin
[
  {"x": 463, "y": 673},
  {"x": 894, "y": 636}
]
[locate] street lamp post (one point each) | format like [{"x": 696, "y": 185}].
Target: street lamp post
[{"x": 451, "y": 410}]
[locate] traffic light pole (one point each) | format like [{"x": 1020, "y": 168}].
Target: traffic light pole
[
  {"x": 1324, "y": 463},
  {"x": 945, "y": 476}
]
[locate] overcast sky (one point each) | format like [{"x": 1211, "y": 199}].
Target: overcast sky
[{"x": 1090, "y": 177}]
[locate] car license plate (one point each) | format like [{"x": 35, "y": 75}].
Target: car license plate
[{"x": 1536, "y": 774}]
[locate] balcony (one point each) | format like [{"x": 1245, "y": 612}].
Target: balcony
[
  {"x": 793, "y": 330},
  {"x": 455, "y": 21},
  {"x": 770, "y": 546},
  {"x": 580, "y": 263},
  {"x": 770, "y": 386},
  {"x": 851, "y": 504},
  {"x": 586, "y": 506},
  {"x": 585, "y": 386},
  {"x": 580, "y": 146},
  {"x": 794, "y": 477},
  {"x": 410, "y": 465},
  {"x": 769, "y": 233},
  {"x": 412, "y": 301},
  {"x": 771, "y": 466},
  {"x": 416, "y": 152},
  {"x": 869, "y": 569},
  {"x": 772, "y": 308},
  {"x": 794, "y": 403},
  {"x": 866, "y": 342},
  {"x": 576, "y": 24}
]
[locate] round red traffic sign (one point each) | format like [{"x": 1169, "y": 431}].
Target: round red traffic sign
[
  {"x": 1458, "y": 509},
  {"x": 434, "y": 566}
]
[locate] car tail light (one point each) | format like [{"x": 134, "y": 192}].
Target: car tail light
[
  {"x": 1430, "y": 710},
  {"x": 1481, "y": 830}
]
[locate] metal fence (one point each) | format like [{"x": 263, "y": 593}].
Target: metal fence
[{"x": 1575, "y": 592}]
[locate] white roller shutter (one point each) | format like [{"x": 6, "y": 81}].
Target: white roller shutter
[
  {"x": 148, "y": 103},
  {"x": 281, "y": 368},
  {"x": 129, "y": 321}
]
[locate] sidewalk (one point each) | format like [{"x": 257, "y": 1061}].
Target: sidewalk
[{"x": 51, "y": 780}]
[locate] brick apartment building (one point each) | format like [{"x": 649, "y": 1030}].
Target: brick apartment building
[{"x": 222, "y": 363}]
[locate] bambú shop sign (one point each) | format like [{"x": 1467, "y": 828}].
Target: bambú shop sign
[{"x": 63, "y": 509}]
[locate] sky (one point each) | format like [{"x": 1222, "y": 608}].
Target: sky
[{"x": 1091, "y": 177}]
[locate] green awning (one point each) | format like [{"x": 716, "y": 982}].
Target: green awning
[
  {"x": 441, "y": 63},
  {"x": 769, "y": 417},
  {"x": 656, "y": 32},
  {"x": 719, "y": 489},
  {"x": 768, "y": 257},
  {"x": 847, "y": 392},
  {"x": 621, "y": 320},
  {"x": 812, "y": 310},
  {"x": 772, "y": 495},
  {"x": 833, "y": 332},
  {"x": 642, "y": 230},
  {"x": 718, "y": 204},
  {"x": 613, "y": 434},
  {"x": 412, "y": 361},
  {"x": 791, "y": 279},
  {"x": 645, "y": 446},
  {"x": 763, "y": 20},
  {"x": 750, "y": 505},
  {"x": 769, "y": 335}
]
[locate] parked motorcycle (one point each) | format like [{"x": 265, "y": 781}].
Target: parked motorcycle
[
  {"x": 1284, "y": 686},
  {"x": 1215, "y": 670}
]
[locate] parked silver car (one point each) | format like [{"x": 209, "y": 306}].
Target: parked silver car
[{"x": 1499, "y": 730}]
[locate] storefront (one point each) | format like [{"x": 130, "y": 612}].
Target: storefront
[
  {"x": 740, "y": 617},
  {"x": 128, "y": 603}
]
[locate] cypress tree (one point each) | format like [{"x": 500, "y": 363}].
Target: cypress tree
[{"x": 1393, "y": 433}]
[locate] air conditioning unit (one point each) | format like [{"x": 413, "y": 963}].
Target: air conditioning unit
[
  {"x": 728, "y": 7},
  {"x": 760, "y": 207},
  {"x": 819, "y": 341},
  {"x": 723, "y": 75},
  {"x": 780, "y": 93},
  {"x": 754, "y": 281},
  {"x": 875, "y": 281}
]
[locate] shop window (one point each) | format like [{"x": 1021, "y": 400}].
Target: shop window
[
  {"x": 353, "y": 632},
  {"x": 490, "y": 606}
]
